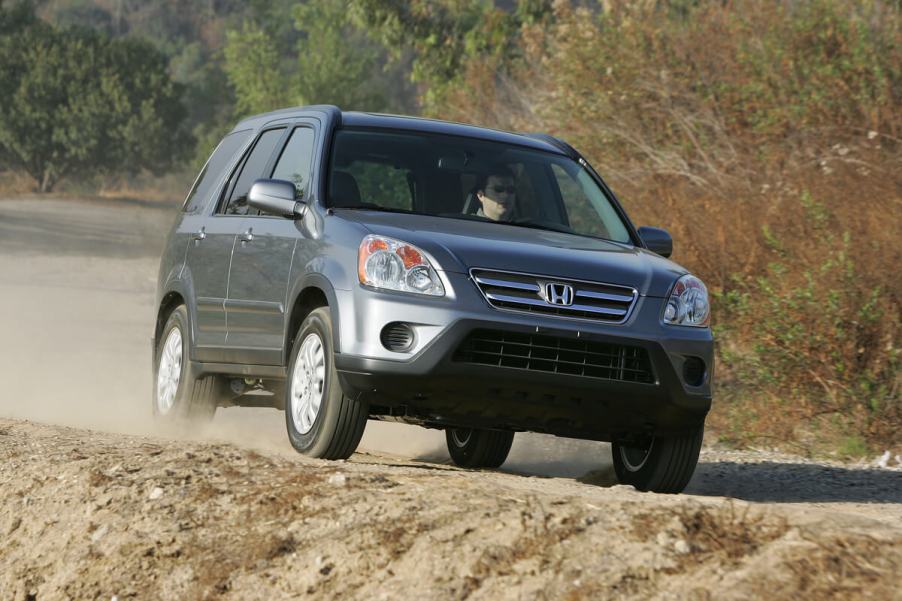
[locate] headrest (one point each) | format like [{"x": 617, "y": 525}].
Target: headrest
[
  {"x": 471, "y": 204},
  {"x": 343, "y": 189}
]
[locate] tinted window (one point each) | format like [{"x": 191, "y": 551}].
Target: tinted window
[
  {"x": 250, "y": 171},
  {"x": 295, "y": 163},
  {"x": 212, "y": 171},
  {"x": 468, "y": 178}
]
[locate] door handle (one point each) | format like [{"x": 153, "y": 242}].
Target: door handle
[
  {"x": 247, "y": 236},
  {"x": 199, "y": 234}
]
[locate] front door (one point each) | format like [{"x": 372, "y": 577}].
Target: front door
[
  {"x": 258, "y": 281},
  {"x": 258, "y": 287}
]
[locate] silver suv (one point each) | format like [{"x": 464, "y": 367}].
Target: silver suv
[{"x": 347, "y": 266}]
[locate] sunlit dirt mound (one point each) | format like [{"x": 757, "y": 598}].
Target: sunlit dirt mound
[{"x": 89, "y": 515}]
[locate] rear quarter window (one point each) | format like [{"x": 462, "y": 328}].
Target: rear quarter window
[{"x": 213, "y": 171}]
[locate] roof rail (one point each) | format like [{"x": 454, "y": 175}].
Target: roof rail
[
  {"x": 556, "y": 142},
  {"x": 326, "y": 108}
]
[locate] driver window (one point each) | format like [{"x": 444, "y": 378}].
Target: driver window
[
  {"x": 250, "y": 171},
  {"x": 295, "y": 162}
]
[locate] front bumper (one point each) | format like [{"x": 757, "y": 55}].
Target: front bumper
[{"x": 432, "y": 386}]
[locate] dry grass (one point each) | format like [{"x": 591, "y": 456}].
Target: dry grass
[
  {"x": 169, "y": 188},
  {"x": 728, "y": 533}
]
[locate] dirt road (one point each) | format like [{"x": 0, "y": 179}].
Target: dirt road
[{"x": 112, "y": 507}]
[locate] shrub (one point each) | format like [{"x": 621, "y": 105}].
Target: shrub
[{"x": 812, "y": 339}]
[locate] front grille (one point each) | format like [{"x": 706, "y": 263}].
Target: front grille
[
  {"x": 554, "y": 354},
  {"x": 543, "y": 294}
]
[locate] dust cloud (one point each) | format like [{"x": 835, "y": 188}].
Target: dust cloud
[{"x": 77, "y": 282}]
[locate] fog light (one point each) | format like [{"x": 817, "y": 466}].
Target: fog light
[
  {"x": 694, "y": 371},
  {"x": 397, "y": 337}
]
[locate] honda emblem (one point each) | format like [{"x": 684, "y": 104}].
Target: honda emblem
[{"x": 559, "y": 294}]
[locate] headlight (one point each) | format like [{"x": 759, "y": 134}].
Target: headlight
[
  {"x": 394, "y": 265},
  {"x": 688, "y": 303}
]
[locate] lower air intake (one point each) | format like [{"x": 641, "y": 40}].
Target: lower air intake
[{"x": 555, "y": 354}]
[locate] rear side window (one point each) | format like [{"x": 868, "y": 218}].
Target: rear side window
[{"x": 212, "y": 171}]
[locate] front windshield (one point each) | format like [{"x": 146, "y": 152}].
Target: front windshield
[{"x": 466, "y": 178}]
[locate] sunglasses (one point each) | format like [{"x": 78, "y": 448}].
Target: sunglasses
[{"x": 503, "y": 189}]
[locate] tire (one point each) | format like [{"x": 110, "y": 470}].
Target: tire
[
  {"x": 179, "y": 395},
  {"x": 475, "y": 448},
  {"x": 332, "y": 428},
  {"x": 664, "y": 465}
]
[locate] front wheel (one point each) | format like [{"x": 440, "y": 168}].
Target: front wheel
[
  {"x": 322, "y": 422},
  {"x": 475, "y": 448},
  {"x": 658, "y": 464}
]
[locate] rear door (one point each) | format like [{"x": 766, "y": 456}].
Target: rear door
[
  {"x": 261, "y": 263},
  {"x": 210, "y": 248}
]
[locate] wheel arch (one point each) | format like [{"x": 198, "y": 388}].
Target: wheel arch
[
  {"x": 168, "y": 303},
  {"x": 176, "y": 293},
  {"x": 313, "y": 291}
]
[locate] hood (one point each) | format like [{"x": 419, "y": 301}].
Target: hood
[{"x": 457, "y": 245}]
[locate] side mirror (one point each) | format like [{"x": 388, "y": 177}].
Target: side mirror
[
  {"x": 275, "y": 197},
  {"x": 657, "y": 240}
]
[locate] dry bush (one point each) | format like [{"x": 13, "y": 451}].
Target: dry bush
[
  {"x": 13, "y": 183},
  {"x": 766, "y": 138},
  {"x": 852, "y": 567},
  {"x": 728, "y": 532}
]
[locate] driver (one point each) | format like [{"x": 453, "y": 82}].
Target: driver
[{"x": 497, "y": 194}]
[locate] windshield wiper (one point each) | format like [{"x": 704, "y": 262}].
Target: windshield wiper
[
  {"x": 370, "y": 207},
  {"x": 536, "y": 225},
  {"x": 541, "y": 225}
]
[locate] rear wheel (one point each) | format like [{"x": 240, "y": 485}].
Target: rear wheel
[
  {"x": 179, "y": 394},
  {"x": 659, "y": 464},
  {"x": 474, "y": 448},
  {"x": 322, "y": 422}
]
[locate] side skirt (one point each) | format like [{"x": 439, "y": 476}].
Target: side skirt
[{"x": 277, "y": 372}]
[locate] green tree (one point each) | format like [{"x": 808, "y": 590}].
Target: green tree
[
  {"x": 337, "y": 63},
  {"x": 330, "y": 60},
  {"x": 13, "y": 19},
  {"x": 254, "y": 68},
  {"x": 76, "y": 102},
  {"x": 445, "y": 37}
]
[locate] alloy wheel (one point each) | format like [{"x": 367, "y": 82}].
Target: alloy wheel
[
  {"x": 307, "y": 383},
  {"x": 169, "y": 372},
  {"x": 461, "y": 436},
  {"x": 635, "y": 457}
]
